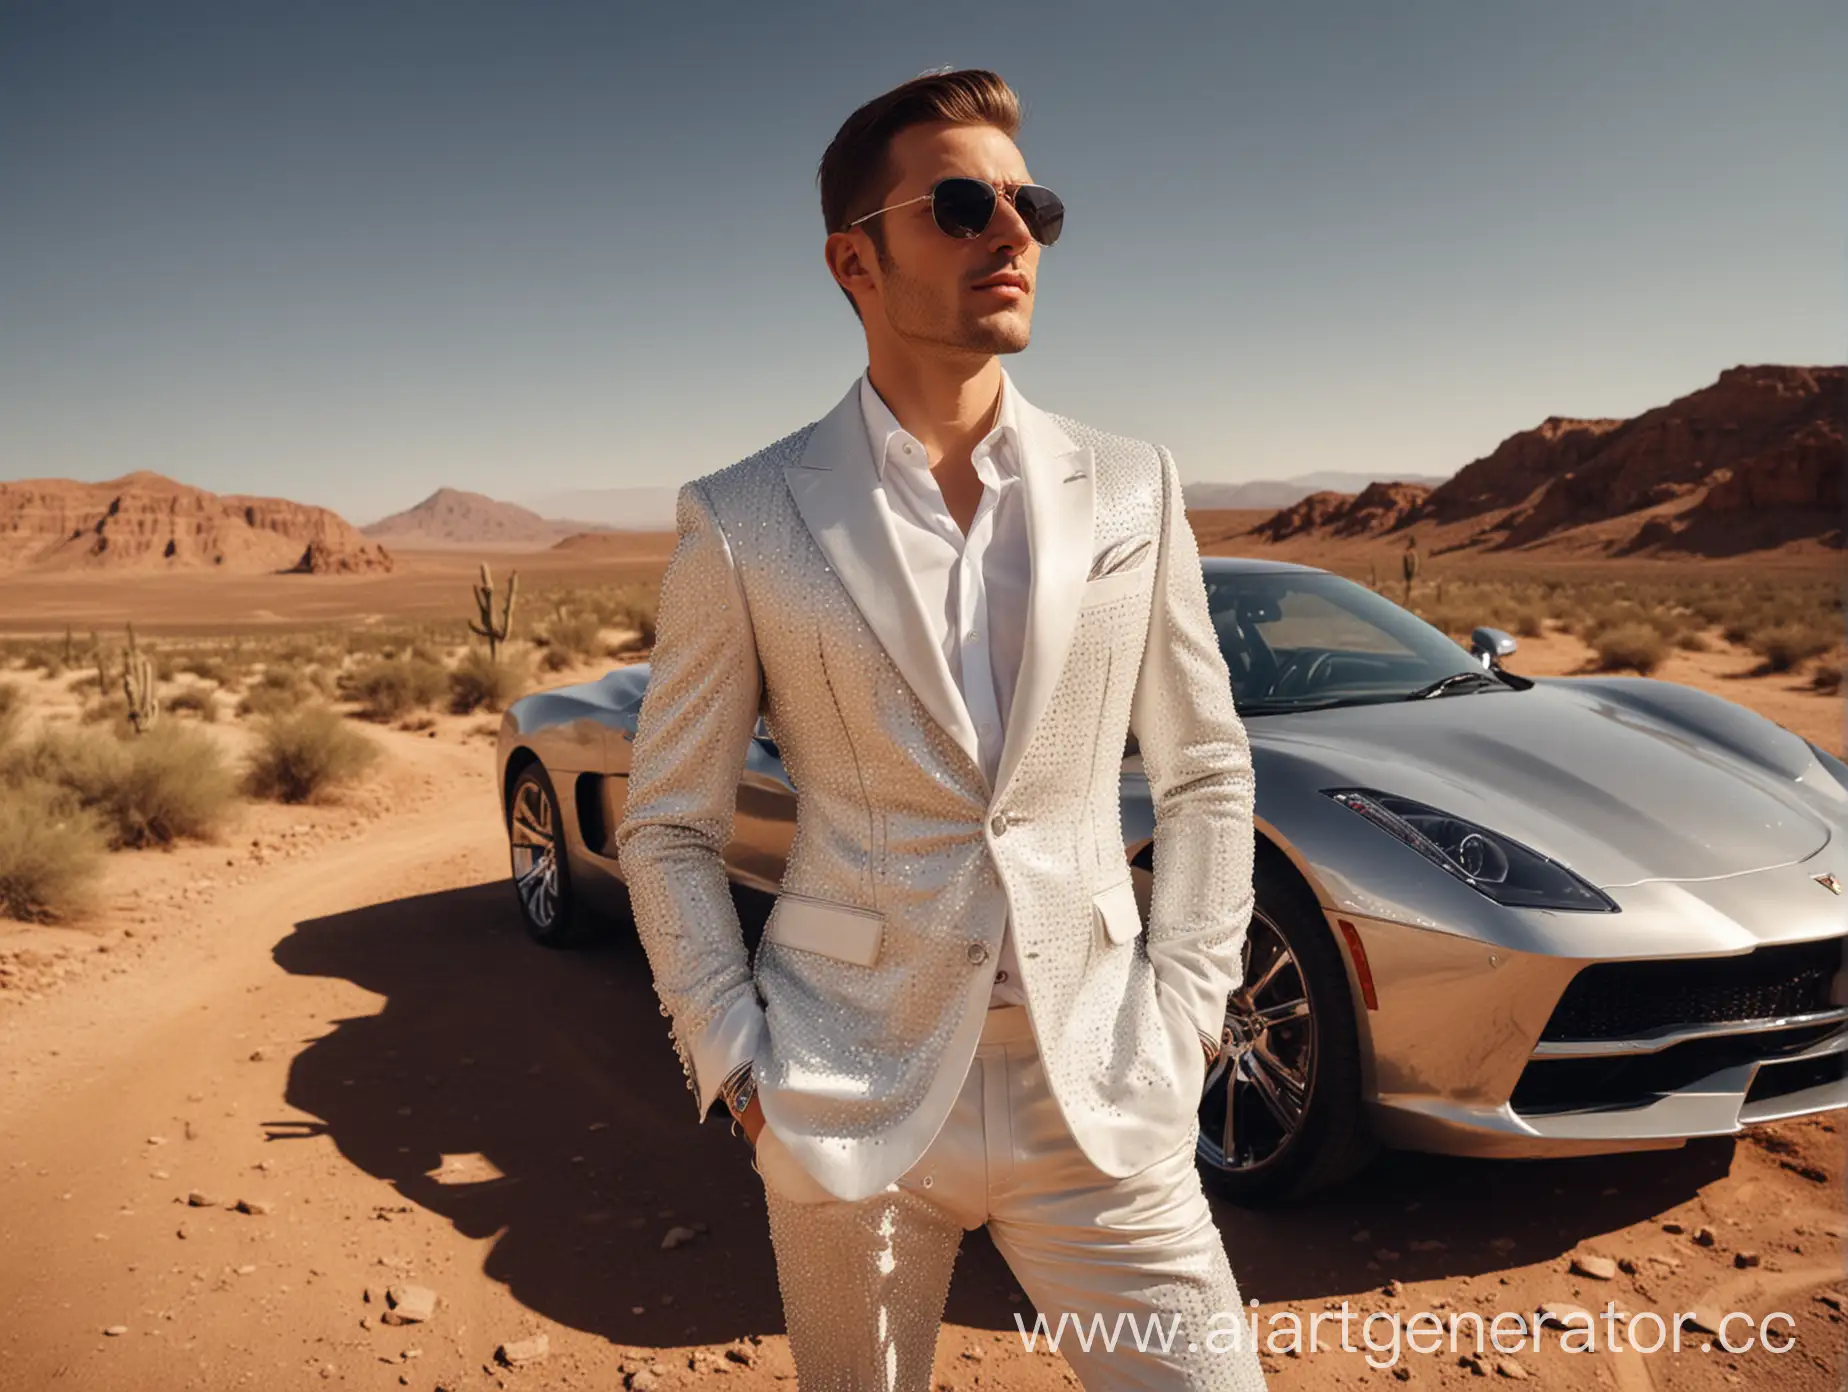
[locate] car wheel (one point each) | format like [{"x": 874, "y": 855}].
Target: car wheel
[
  {"x": 541, "y": 868},
  {"x": 1280, "y": 1111}
]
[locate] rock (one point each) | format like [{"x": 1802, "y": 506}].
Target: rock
[
  {"x": 1673, "y": 1228},
  {"x": 642, "y": 1380},
  {"x": 1745, "y": 1259},
  {"x": 1598, "y": 1268},
  {"x": 409, "y": 1304},
  {"x": 116, "y": 1331},
  {"x": 741, "y": 1353},
  {"x": 518, "y": 1353},
  {"x": 676, "y": 1236},
  {"x": 1563, "y": 1313},
  {"x": 1703, "y": 1236},
  {"x": 255, "y": 1207},
  {"x": 200, "y": 1199},
  {"x": 1705, "y": 1318},
  {"x": 1832, "y": 1300},
  {"x": 1508, "y": 1368}
]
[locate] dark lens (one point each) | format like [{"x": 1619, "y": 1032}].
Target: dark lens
[
  {"x": 1041, "y": 210},
  {"x": 963, "y": 206}
]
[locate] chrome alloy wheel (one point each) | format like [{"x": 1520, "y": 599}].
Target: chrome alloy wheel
[
  {"x": 1257, "y": 1092},
  {"x": 533, "y": 833}
]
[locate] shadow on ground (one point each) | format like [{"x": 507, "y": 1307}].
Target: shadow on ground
[{"x": 555, "y": 1067}]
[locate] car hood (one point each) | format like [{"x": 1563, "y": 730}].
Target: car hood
[{"x": 1619, "y": 793}]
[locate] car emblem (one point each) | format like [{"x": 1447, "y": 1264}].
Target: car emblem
[{"x": 1828, "y": 882}]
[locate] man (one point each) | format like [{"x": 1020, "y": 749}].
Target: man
[{"x": 951, "y": 609}]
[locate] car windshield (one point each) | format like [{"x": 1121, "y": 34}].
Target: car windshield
[{"x": 1308, "y": 640}]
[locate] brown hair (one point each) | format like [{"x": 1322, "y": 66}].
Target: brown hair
[{"x": 856, "y": 174}]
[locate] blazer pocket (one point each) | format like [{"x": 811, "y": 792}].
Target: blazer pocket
[
  {"x": 844, "y": 931},
  {"x": 1115, "y": 584},
  {"x": 1117, "y": 911}
]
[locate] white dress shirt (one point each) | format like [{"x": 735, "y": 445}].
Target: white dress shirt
[{"x": 974, "y": 587}]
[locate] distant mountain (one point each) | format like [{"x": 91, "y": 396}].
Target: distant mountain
[
  {"x": 147, "y": 522},
  {"x": 1280, "y": 493},
  {"x": 451, "y": 517},
  {"x": 1752, "y": 462},
  {"x": 621, "y": 509}
]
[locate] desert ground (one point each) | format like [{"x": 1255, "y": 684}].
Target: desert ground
[{"x": 272, "y": 1073}]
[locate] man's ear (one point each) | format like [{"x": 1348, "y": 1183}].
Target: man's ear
[{"x": 842, "y": 254}]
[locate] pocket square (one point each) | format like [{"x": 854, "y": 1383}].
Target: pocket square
[{"x": 1121, "y": 555}]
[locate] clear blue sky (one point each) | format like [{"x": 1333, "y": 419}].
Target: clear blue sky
[{"x": 349, "y": 252}]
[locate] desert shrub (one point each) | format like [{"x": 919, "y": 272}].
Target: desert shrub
[
  {"x": 569, "y": 636},
  {"x": 305, "y": 754},
  {"x": 51, "y": 852},
  {"x": 1692, "y": 640},
  {"x": 12, "y": 711},
  {"x": 387, "y": 688},
  {"x": 1636, "y": 646},
  {"x": 196, "y": 697},
  {"x": 1826, "y": 678},
  {"x": 1530, "y": 622},
  {"x": 210, "y": 667},
  {"x": 1787, "y": 645},
  {"x": 275, "y": 692},
  {"x": 483, "y": 683},
  {"x": 170, "y": 784}
]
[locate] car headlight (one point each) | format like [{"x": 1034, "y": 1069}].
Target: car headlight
[{"x": 1486, "y": 861}]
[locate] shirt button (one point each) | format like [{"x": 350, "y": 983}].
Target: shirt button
[
  {"x": 907, "y": 449},
  {"x": 978, "y": 952},
  {"x": 998, "y": 823},
  {"x": 972, "y": 635},
  {"x": 1001, "y": 975}
]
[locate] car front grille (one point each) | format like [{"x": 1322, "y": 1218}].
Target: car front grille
[{"x": 1626, "y": 1000}]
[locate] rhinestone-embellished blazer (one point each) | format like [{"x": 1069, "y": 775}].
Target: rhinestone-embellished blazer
[{"x": 786, "y": 597}]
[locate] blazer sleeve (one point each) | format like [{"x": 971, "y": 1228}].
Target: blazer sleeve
[
  {"x": 692, "y": 735},
  {"x": 1198, "y": 763}
]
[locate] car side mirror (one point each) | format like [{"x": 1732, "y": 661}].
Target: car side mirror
[{"x": 1491, "y": 645}]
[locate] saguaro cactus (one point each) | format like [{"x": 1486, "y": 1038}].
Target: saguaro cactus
[
  {"x": 496, "y": 631},
  {"x": 138, "y": 686},
  {"x": 1409, "y": 563}
]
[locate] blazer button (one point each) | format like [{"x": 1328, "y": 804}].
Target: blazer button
[
  {"x": 998, "y": 823},
  {"x": 978, "y": 952}
]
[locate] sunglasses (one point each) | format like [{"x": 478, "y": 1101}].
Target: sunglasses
[{"x": 963, "y": 207}]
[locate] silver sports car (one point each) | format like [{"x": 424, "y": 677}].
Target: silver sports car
[{"x": 1495, "y": 915}]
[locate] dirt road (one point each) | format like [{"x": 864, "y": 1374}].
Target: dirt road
[{"x": 335, "y": 1018}]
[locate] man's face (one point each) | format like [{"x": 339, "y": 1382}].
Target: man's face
[{"x": 926, "y": 279}]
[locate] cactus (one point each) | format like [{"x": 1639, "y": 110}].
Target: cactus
[
  {"x": 1409, "y": 563},
  {"x": 138, "y": 686},
  {"x": 496, "y": 632},
  {"x": 70, "y": 648},
  {"x": 1373, "y": 577}
]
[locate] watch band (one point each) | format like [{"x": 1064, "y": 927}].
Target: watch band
[{"x": 737, "y": 1089}]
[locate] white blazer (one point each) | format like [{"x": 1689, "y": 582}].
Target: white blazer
[{"x": 785, "y": 597}]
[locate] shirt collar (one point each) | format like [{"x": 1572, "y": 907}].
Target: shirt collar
[{"x": 887, "y": 438}]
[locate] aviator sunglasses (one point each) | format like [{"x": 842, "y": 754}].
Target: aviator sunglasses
[{"x": 963, "y": 206}]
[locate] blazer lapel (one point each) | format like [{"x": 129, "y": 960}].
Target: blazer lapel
[
  {"x": 833, "y": 484},
  {"x": 1060, "y": 492}
]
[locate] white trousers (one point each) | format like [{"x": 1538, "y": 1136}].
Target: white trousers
[{"x": 865, "y": 1283}]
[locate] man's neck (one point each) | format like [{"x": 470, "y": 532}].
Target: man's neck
[{"x": 948, "y": 407}]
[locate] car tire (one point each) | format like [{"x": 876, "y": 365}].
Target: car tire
[
  {"x": 541, "y": 867},
  {"x": 1330, "y": 1139}
]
